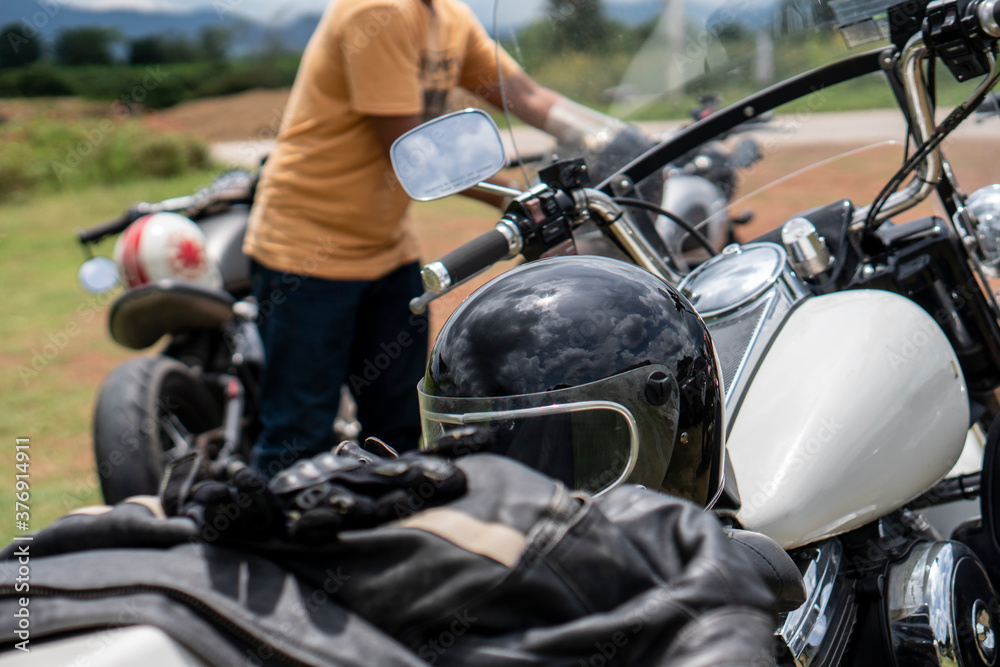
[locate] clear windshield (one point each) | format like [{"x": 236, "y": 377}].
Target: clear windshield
[
  {"x": 661, "y": 64},
  {"x": 657, "y": 59}
]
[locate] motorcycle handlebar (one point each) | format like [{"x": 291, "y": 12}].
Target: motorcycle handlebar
[
  {"x": 467, "y": 260},
  {"x": 116, "y": 226}
]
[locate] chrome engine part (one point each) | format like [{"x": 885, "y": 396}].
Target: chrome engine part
[
  {"x": 807, "y": 250},
  {"x": 744, "y": 295},
  {"x": 942, "y": 609},
  {"x": 984, "y": 205},
  {"x": 817, "y": 633}
]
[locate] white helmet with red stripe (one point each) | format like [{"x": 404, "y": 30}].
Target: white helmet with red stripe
[{"x": 165, "y": 246}]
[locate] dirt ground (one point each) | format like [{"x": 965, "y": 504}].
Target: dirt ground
[{"x": 254, "y": 115}]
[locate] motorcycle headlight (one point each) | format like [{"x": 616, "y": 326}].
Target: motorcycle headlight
[{"x": 984, "y": 204}]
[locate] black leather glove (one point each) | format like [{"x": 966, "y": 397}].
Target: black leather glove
[{"x": 311, "y": 502}]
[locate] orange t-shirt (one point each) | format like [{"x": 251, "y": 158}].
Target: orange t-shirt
[{"x": 329, "y": 204}]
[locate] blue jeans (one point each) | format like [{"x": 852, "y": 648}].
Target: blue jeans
[{"x": 321, "y": 334}]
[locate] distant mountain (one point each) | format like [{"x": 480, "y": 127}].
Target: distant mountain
[{"x": 248, "y": 35}]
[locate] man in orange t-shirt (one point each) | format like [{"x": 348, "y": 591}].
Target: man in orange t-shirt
[{"x": 334, "y": 254}]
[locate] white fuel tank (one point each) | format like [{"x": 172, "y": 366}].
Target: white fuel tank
[{"x": 858, "y": 407}]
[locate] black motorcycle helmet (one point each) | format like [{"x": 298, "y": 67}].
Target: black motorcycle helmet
[{"x": 588, "y": 369}]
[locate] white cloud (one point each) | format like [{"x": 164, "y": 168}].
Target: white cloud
[{"x": 511, "y": 11}]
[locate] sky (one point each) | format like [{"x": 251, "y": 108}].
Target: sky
[{"x": 277, "y": 10}]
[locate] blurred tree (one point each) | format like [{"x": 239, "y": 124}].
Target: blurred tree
[
  {"x": 180, "y": 49},
  {"x": 214, "y": 42},
  {"x": 271, "y": 45},
  {"x": 172, "y": 48},
  {"x": 18, "y": 48},
  {"x": 147, "y": 50},
  {"x": 580, "y": 25},
  {"x": 85, "y": 46}
]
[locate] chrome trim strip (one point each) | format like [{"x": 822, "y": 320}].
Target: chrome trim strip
[
  {"x": 515, "y": 244},
  {"x": 929, "y": 171},
  {"x": 624, "y": 231},
  {"x": 777, "y": 296},
  {"x": 435, "y": 277},
  {"x": 545, "y": 410},
  {"x": 807, "y": 630}
]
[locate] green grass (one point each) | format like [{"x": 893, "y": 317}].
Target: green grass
[
  {"x": 150, "y": 86},
  {"x": 54, "y": 346},
  {"x": 42, "y": 154}
]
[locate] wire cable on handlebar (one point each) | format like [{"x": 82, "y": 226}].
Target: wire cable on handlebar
[
  {"x": 959, "y": 114},
  {"x": 922, "y": 151},
  {"x": 682, "y": 223}
]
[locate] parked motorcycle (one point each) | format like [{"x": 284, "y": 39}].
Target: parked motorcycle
[
  {"x": 199, "y": 391},
  {"x": 860, "y": 353}
]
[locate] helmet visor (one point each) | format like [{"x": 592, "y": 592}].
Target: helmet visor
[{"x": 576, "y": 435}]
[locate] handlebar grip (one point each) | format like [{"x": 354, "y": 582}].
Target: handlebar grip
[
  {"x": 465, "y": 261},
  {"x": 95, "y": 234}
]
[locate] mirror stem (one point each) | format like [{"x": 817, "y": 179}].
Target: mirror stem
[
  {"x": 87, "y": 250},
  {"x": 498, "y": 189}
]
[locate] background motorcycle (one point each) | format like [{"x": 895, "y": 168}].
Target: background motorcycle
[
  {"x": 200, "y": 390},
  {"x": 860, "y": 357}
]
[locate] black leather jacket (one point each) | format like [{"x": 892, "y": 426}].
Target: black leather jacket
[{"x": 518, "y": 571}]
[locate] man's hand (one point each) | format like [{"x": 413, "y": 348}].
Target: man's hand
[
  {"x": 390, "y": 128},
  {"x": 526, "y": 99}
]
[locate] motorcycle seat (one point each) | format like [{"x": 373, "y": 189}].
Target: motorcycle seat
[{"x": 141, "y": 316}]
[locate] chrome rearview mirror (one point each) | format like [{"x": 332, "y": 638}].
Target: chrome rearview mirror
[
  {"x": 98, "y": 275},
  {"x": 447, "y": 155}
]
